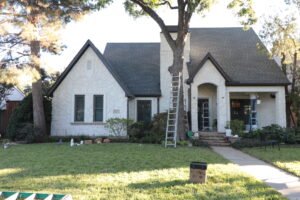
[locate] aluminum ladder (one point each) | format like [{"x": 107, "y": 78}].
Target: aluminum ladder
[{"x": 173, "y": 111}]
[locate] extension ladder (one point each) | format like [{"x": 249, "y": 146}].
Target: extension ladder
[{"x": 172, "y": 120}]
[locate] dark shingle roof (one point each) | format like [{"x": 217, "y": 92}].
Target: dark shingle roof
[
  {"x": 236, "y": 52},
  {"x": 137, "y": 65}
]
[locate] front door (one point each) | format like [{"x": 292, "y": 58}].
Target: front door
[
  {"x": 144, "y": 111},
  {"x": 203, "y": 114}
]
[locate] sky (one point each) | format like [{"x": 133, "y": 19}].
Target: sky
[{"x": 113, "y": 24}]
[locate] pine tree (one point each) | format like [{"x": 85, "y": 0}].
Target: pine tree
[{"x": 29, "y": 27}]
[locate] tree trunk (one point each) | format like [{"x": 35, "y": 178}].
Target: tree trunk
[
  {"x": 39, "y": 121},
  {"x": 293, "y": 90},
  {"x": 288, "y": 112}
]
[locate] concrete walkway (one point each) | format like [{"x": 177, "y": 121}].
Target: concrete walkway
[{"x": 288, "y": 185}]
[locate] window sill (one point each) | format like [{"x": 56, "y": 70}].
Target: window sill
[{"x": 88, "y": 123}]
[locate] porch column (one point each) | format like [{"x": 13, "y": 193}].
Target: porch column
[
  {"x": 194, "y": 107},
  {"x": 280, "y": 107},
  {"x": 221, "y": 107},
  {"x": 228, "y": 115}
]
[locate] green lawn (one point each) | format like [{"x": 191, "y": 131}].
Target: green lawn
[
  {"x": 123, "y": 171},
  {"x": 288, "y": 158}
]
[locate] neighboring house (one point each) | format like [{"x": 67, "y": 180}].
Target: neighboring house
[
  {"x": 7, "y": 106},
  {"x": 226, "y": 78}
]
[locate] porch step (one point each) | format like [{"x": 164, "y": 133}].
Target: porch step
[
  {"x": 211, "y": 134},
  {"x": 213, "y": 138}
]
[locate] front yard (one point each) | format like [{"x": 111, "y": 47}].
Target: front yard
[
  {"x": 123, "y": 171},
  {"x": 288, "y": 158}
]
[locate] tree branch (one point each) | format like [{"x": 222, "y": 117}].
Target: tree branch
[
  {"x": 158, "y": 20},
  {"x": 167, "y": 3}
]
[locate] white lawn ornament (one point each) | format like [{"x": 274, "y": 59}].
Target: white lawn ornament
[
  {"x": 228, "y": 132},
  {"x": 5, "y": 146},
  {"x": 72, "y": 142}
]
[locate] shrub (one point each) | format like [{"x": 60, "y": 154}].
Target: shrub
[
  {"x": 247, "y": 142},
  {"x": 153, "y": 132},
  {"x": 291, "y": 136},
  {"x": 137, "y": 131},
  {"x": 199, "y": 143},
  {"x": 20, "y": 126},
  {"x": 183, "y": 143},
  {"x": 118, "y": 126},
  {"x": 253, "y": 134},
  {"x": 237, "y": 127},
  {"x": 272, "y": 132}
]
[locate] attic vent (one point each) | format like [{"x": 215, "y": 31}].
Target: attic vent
[{"x": 89, "y": 65}]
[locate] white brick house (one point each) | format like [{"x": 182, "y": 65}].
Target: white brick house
[{"x": 226, "y": 78}]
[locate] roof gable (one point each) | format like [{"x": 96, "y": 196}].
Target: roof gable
[
  {"x": 101, "y": 57},
  {"x": 208, "y": 56},
  {"x": 236, "y": 52}
]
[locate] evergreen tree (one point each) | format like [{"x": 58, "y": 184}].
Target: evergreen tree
[{"x": 29, "y": 27}]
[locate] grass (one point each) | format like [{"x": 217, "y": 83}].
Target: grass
[
  {"x": 288, "y": 158},
  {"x": 124, "y": 171}
]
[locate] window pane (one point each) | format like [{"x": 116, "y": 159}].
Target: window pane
[
  {"x": 99, "y": 102},
  {"x": 99, "y": 115},
  {"x": 144, "y": 110},
  {"x": 98, "y": 108},
  {"x": 79, "y": 108}
]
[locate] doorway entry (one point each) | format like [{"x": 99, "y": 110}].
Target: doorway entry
[{"x": 203, "y": 115}]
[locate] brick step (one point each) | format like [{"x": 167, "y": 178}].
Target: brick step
[
  {"x": 211, "y": 134},
  {"x": 224, "y": 141},
  {"x": 212, "y": 137},
  {"x": 210, "y": 142}
]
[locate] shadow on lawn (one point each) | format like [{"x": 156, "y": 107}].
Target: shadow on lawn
[
  {"x": 235, "y": 187},
  {"x": 157, "y": 184},
  {"x": 40, "y": 160}
]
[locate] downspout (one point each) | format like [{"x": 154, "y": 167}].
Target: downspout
[
  {"x": 157, "y": 105},
  {"x": 127, "y": 108},
  {"x": 127, "y": 128}
]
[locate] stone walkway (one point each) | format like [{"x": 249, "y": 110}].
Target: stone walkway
[{"x": 288, "y": 185}]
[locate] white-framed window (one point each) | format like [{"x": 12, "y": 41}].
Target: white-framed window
[
  {"x": 98, "y": 108},
  {"x": 79, "y": 108}
]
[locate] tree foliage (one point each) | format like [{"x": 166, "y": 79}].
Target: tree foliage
[
  {"x": 118, "y": 126},
  {"x": 22, "y": 22},
  {"x": 29, "y": 27},
  {"x": 282, "y": 34}
]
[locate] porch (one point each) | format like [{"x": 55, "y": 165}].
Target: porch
[{"x": 212, "y": 106}]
